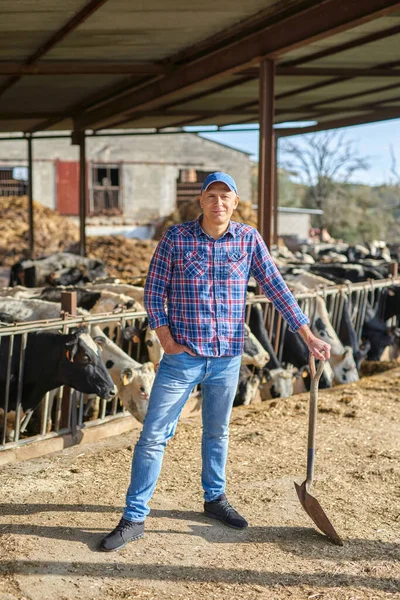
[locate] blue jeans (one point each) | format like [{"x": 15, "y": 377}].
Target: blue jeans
[{"x": 175, "y": 379}]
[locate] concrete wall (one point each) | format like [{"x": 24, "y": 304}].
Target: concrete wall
[
  {"x": 150, "y": 166},
  {"x": 294, "y": 224}
]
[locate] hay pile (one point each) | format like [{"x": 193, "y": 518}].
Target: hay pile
[
  {"x": 127, "y": 259},
  {"x": 190, "y": 210},
  {"x": 53, "y": 233}
]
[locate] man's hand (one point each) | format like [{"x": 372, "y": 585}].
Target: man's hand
[
  {"x": 318, "y": 348},
  {"x": 168, "y": 343},
  {"x": 172, "y": 347}
]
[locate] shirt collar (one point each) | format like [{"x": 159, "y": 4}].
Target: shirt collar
[{"x": 200, "y": 231}]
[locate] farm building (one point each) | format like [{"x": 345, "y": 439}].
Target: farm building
[{"x": 140, "y": 177}]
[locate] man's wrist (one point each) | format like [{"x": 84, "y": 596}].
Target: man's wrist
[{"x": 305, "y": 333}]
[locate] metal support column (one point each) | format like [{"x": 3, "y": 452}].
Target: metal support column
[
  {"x": 266, "y": 156},
  {"x": 78, "y": 138},
  {"x": 276, "y": 189},
  {"x": 82, "y": 194},
  {"x": 30, "y": 198}
]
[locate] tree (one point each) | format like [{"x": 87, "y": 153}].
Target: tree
[{"x": 324, "y": 162}]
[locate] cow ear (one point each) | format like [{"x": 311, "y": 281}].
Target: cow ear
[
  {"x": 126, "y": 376},
  {"x": 100, "y": 341},
  {"x": 131, "y": 333},
  {"x": 70, "y": 352},
  {"x": 71, "y": 346}
]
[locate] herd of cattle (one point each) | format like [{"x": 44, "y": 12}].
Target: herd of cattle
[{"x": 115, "y": 361}]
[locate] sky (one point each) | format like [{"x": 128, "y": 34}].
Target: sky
[{"x": 372, "y": 140}]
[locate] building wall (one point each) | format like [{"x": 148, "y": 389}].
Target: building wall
[
  {"x": 150, "y": 166},
  {"x": 297, "y": 224}
]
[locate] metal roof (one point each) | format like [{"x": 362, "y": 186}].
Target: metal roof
[{"x": 102, "y": 64}]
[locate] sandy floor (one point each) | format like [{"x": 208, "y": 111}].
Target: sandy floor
[{"x": 55, "y": 510}]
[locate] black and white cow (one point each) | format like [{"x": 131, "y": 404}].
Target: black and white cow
[
  {"x": 145, "y": 343},
  {"x": 52, "y": 360},
  {"x": 279, "y": 381},
  {"x": 348, "y": 336},
  {"x": 132, "y": 379},
  {"x": 62, "y": 268},
  {"x": 342, "y": 360}
]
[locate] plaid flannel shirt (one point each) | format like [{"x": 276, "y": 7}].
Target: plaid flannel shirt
[{"x": 204, "y": 281}]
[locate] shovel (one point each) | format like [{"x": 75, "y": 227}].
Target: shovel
[{"x": 308, "y": 502}]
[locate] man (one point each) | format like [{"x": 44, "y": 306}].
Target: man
[{"x": 201, "y": 269}]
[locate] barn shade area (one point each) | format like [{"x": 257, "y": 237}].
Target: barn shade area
[
  {"x": 108, "y": 340},
  {"x": 110, "y": 65}
]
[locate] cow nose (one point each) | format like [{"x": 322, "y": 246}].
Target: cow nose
[{"x": 113, "y": 392}]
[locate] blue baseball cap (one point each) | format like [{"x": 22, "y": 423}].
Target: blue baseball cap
[{"x": 222, "y": 177}]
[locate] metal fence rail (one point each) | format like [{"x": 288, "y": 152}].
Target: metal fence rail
[{"x": 70, "y": 409}]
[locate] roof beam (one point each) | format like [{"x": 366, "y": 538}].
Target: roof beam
[
  {"x": 318, "y": 22},
  {"x": 337, "y": 72},
  {"x": 370, "y": 117},
  {"x": 327, "y": 72},
  {"x": 220, "y": 88},
  {"x": 367, "y": 39},
  {"x": 316, "y": 105},
  {"x": 83, "y": 68},
  {"x": 74, "y": 22}
]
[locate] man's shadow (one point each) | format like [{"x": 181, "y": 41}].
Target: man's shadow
[{"x": 300, "y": 541}]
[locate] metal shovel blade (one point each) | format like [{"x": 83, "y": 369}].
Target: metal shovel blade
[
  {"x": 317, "y": 514},
  {"x": 308, "y": 502}
]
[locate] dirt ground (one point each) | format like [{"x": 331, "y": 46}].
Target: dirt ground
[{"x": 54, "y": 511}]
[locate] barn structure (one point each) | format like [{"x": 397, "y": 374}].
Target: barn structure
[
  {"x": 88, "y": 66},
  {"x": 140, "y": 177}
]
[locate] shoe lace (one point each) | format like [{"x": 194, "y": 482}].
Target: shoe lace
[
  {"x": 123, "y": 525},
  {"x": 226, "y": 505}
]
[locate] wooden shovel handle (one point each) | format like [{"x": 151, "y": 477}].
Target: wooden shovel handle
[{"x": 312, "y": 417}]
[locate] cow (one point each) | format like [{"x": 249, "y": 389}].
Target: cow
[
  {"x": 376, "y": 333},
  {"x": 62, "y": 268},
  {"x": 145, "y": 342},
  {"x": 253, "y": 352},
  {"x": 348, "y": 335},
  {"x": 295, "y": 352},
  {"x": 279, "y": 381},
  {"x": 132, "y": 379},
  {"x": 94, "y": 301},
  {"x": 248, "y": 385},
  {"x": 342, "y": 360},
  {"x": 31, "y": 309},
  {"x": 133, "y": 291},
  {"x": 52, "y": 360}
]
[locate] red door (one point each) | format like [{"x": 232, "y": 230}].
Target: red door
[
  {"x": 67, "y": 183},
  {"x": 67, "y": 178}
]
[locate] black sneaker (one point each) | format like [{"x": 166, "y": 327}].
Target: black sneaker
[
  {"x": 125, "y": 531},
  {"x": 222, "y": 510}
]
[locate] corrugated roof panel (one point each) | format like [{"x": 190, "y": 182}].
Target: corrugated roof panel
[
  {"x": 32, "y": 93},
  {"x": 375, "y": 53},
  {"x": 349, "y": 35},
  {"x": 337, "y": 90},
  {"x": 9, "y": 125},
  {"x": 27, "y": 24},
  {"x": 152, "y": 30},
  {"x": 372, "y": 98}
]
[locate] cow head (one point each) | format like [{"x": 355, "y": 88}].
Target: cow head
[
  {"x": 253, "y": 352},
  {"x": 143, "y": 334},
  {"x": 280, "y": 383},
  {"x": 82, "y": 368},
  {"x": 344, "y": 366},
  {"x": 135, "y": 394}
]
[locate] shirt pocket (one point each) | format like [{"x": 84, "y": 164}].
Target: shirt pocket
[
  {"x": 237, "y": 265},
  {"x": 194, "y": 264}
]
